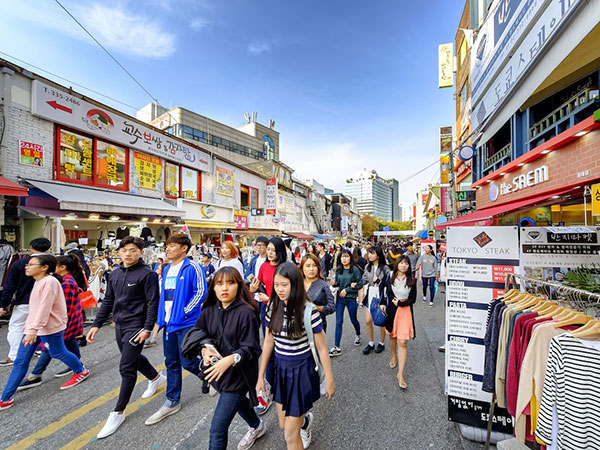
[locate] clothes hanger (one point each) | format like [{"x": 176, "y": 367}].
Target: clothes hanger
[
  {"x": 593, "y": 331},
  {"x": 511, "y": 293},
  {"x": 582, "y": 330},
  {"x": 576, "y": 319},
  {"x": 533, "y": 302},
  {"x": 520, "y": 296}
]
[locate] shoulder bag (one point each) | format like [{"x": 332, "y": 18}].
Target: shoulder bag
[{"x": 308, "y": 309}]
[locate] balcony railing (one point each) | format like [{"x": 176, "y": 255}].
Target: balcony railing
[{"x": 504, "y": 152}]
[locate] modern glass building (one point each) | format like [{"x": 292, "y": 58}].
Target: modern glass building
[{"x": 374, "y": 195}]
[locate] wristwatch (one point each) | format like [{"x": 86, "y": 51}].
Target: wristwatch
[{"x": 236, "y": 358}]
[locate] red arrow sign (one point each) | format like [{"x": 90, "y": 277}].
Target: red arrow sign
[{"x": 61, "y": 107}]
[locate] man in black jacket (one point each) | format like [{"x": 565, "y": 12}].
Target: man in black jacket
[
  {"x": 132, "y": 296},
  {"x": 324, "y": 260},
  {"x": 16, "y": 295}
]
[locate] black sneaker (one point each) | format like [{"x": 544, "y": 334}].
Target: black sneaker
[
  {"x": 368, "y": 349},
  {"x": 63, "y": 373},
  {"x": 379, "y": 348},
  {"x": 29, "y": 383}
]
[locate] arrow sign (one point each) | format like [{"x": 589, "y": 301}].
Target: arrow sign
[{"x": 61, "y": 107}]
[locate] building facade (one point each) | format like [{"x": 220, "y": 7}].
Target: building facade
[{"x": 374, "y": 195}]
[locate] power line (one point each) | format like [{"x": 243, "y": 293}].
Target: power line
[{"x": 419, "y": 172}]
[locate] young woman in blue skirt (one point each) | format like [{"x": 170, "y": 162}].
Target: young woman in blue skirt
[{"x": 296, "y": 382}]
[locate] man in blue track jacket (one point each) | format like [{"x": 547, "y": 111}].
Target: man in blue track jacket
[{"x": 183, "y": 289}]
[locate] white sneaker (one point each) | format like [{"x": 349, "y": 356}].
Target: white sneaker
[
  {"x": 154, "y": 385},
  {"x": 306, "y": 433},
  {"x": 251, "y": 436},
  {"x": 164, "y": 411},
  {"x": 112, "y": 424}
]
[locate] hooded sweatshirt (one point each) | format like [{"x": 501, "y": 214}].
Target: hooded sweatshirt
[{"x": 132, "y": 295}]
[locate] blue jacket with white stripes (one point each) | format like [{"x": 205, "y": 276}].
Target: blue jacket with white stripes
[{"x": 190, "y": 292}]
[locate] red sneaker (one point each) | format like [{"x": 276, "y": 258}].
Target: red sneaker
[
  {"x": 7, "y": 404},
  {"x": 76, "y": 379}
]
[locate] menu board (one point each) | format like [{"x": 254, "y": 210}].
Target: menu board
[{"x": 479, "y": 258}]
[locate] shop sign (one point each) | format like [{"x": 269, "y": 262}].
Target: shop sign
[
  {"x": 478, "y": 260},
  {"x": 208, "y": 212},
  {"x": 520, "y": 182},
  {"x": 257, "y": 211},
  {"x": 502, "y": 82},
  {"x": 596, "y": 200},
  {"x": 148, "y": 170},
  {"x": 60, "y": 107},
  {"x": 31, "y": 154},
  {"x": 240, "y": 219},
  {"x": 224, "y": 181},
  {"x": 465, "y": 196},
  {"x": 445, "y": 202},
  {"x": 75, "y": 235},
  {"x": 271, "y": 196},
  {"x": 344, "y": 223},
  {"x": 445, "y": 65}
]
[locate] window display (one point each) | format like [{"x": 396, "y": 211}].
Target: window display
[
  {"x": 172, "y": 180},
  {"x": 190, "y": 182}
]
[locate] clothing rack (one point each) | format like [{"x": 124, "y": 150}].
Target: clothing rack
[{"x": 585, "y": 301}]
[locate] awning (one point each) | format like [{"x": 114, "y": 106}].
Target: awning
[
  {"x": 8, "y": 187},
  {"x": 76, "y": 198},
  {"x": 301, "y": 236},
  {"x": 321, "y": 236},
  {"x": 484, "y": 217}
]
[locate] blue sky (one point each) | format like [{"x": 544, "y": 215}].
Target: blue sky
[{"x": 350, "y": 84}]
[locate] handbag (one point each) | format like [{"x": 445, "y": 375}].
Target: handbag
[
  {"x": 87, "y": 297},
  {"x": 379, "y": 317},
  {"x": 308, "y": 309}
]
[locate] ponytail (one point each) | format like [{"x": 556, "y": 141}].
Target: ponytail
[{"x": 72, "y": 263}]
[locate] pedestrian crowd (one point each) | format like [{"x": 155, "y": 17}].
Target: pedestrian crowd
[{"x": 212, "y": 317}]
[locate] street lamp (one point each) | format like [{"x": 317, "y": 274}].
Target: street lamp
[{"x": 464, "y": 153}]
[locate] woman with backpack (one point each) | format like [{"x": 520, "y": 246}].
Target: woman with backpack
[
  {"x": 230, "y": 319},
  {"x": 348, "y": 280},
  {"x": 374, "y": 278},
  {"x": 69, "y": 268},
  {"x": 400, "y": 296},
  {"x": 316, "y": 287},
  {"x": 295, "y": 335}
]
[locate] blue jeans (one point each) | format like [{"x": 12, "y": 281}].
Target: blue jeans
[
  {"x": 428, "y": 281},
  {"x": 228, "y": 405},
  {"x": 175, "y": 362},
  {"x": 352, "y": 306},
  {"x": 70, "y": 344},
  {"x": 56, "y": 348}
]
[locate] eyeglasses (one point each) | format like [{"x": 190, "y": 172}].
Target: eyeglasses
[{"x": 31, "y": 265}]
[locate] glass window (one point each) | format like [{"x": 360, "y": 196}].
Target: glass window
[
  {"x": 190, "y": 183},
  {"x": 111, "y": 165},
  {"x": 171, "y": 180},
  {"x": 244, "y": 197},
  {"x": 76, "y": 157},
  {"x": 253, "y": 198}
]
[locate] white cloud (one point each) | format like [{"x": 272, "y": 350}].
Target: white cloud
[
  {"x": 130, "y": 33},
  {"x": 199, "y": 23},
  {"x": 256, "y": 48}
]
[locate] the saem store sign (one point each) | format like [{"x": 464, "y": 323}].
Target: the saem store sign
[{"x": 525, "y": 180}]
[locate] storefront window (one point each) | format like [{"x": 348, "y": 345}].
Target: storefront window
[
  {"x": 111, "y": 165},
  {"x": 190, "y": 183},
  {"x": 248, "y": 197},
  {"x": 253, "y": 198},
  {"x": 172, "y": 180},
  {"x": 75, "y": 157}
]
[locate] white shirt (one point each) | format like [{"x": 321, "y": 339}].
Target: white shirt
[
  {"x": 170, "y": 283},
  {"x": 233, "y": 262}
]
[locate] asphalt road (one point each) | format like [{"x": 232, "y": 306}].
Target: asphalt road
[{"x": 369, "y": 411}]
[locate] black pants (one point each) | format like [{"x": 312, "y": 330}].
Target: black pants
[{"x": 132, "y": 360}]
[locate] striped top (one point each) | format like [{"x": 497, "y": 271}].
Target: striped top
[
  {"x": 294, "y": 349},
  {"x": 572, "y": 394}
]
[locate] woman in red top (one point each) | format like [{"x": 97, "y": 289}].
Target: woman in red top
[{"x": 69, "y": 268}]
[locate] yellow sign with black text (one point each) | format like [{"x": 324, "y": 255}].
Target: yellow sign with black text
[{"x": 596, "y": 199}]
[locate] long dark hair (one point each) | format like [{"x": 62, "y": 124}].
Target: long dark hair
[
  {"x": 340, "y": 266},
  {"x": 410, "y": 279},
  {"x": 380, "y": 257},
  {"x": 50, "y": 262},
  {"x": 227, "y": 274},
  {"x": 294, "y": 310},
  {"x": 71, "y": 263},
  {"x": 280, "y": 249},
  {"x": 356, "y": 255}
]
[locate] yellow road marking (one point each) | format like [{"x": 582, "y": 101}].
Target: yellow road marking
[
  {"x": 71, "y": 417},
  {"x": 90, "y": 435}
]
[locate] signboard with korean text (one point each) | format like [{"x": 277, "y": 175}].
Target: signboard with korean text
[
  {"x": 58, "y": 106},
  {"x": 224, "y": 181},
  {"x": 445, "y": 65},
  {"x": 596, "y": 199},
  {"x": 240, "y": 219},
  {"x": 465, "y": 196},
  {"x": 31, "y": 154},
  {"x": 478, "y": 260},
  {"x": 271, "y": 196},
  {"x": 148, "y": 171},
  {"x": 171, "y": 180}
]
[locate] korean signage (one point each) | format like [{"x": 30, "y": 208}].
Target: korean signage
[
  {"x": 271, "y": 196},
  {"x": 60, "y": 107},
  {"x": 596, "y": 200},
  {"x": 224, "y": 181},
  {"x": 445, "y": 139},
  {"x": 31, "y": 154},
  {"x": 240, "y": 219},
  {"x": 148, "y": 171},
  {"x": 344, "y": 223},
  {"x": 485, "y": 102},
  {"x": 465, "y": 196},
  {"x": 445, "y": 65},
  {"x": 171, "y": 180},
  {"x": 479, "y": 258},
  {"x": 445, "y": 201}
]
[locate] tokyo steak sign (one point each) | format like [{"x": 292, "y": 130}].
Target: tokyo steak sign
[{"x": 60, "y": 107}]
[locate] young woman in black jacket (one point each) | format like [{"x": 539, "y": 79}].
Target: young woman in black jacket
[
  {"x": 231, "y": 321},
  {"x": 401, "y": 293}
]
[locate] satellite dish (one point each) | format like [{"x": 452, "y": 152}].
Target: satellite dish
[{"x": 466, "y": 152}]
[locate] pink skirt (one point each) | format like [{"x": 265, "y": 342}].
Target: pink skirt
[{"x": 403, "y": 324}]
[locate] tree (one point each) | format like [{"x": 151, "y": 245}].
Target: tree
[{"x": 370, "y": 224}]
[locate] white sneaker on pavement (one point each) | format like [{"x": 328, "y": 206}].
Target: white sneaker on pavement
[
  {"x": 306, "y": 433},
  {"x": 154, "y": 385},
  {"x": 251, "y": 436},
  {"x": 164, "y": 411},
  {"x": 112, "y": 424}
]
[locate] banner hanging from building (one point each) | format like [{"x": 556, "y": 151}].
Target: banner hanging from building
[
  {"x": 148, "y": 170},
  {"x": 31, "y": 154},
  {"x": 224, "y": 181},
  {"x": 479, "y": 258},
  {"x": 271, "y": 196},
  {"x": 445, "y": 65}
]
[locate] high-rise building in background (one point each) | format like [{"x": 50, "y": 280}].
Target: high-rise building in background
[
  {"x": 375, "y": 195},
  {"x": 405, "y": 211}
]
